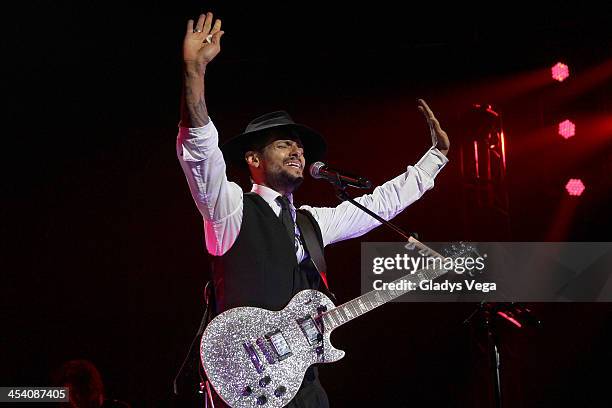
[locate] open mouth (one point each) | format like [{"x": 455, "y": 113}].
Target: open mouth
[{"x": 297, "y": 165}]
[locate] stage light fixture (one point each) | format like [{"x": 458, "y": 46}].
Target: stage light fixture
[
  {"x": 575, "y": 187},
  {"x": 560, "y": 71},
  {"x": 567, "y": 129}
]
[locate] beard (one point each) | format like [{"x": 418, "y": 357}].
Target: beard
[{"x": 284, "y": 181}]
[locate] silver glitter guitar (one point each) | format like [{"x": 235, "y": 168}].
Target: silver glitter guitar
[{"x": 256, "y": 357}]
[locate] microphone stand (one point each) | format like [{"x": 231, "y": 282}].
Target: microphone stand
[
  {"x": 516, "y": 314},
  {"x": 343, "y": 196},
  {"x": 411, "y": 238},
  {"x": 488, "y": 313}
]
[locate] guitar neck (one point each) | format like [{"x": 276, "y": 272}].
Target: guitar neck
[{"x": 352, "y": 309}]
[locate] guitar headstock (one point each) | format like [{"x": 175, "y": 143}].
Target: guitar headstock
[
  {"x": 460, "y": 250},
  {"x": 464, "y": 250}
]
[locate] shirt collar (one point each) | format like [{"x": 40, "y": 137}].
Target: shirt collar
[{"x": 269, "y": 194}]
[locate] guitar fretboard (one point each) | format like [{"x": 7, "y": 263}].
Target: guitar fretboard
[{"x": 371, "y": 300}]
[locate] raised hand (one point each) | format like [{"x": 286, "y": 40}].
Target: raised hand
[
  {"x": 443, "y": 143},
  {"x": 202, "y": 43}
]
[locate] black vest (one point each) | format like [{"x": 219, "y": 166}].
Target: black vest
[{"x": 261, "y": 268}]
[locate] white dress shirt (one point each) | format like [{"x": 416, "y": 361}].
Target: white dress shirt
[{"x": 220, "y": 201}]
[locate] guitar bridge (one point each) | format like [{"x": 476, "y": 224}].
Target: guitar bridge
[
  {"x": 250, "y": 350},
  {"x": 265, "y": 350}
]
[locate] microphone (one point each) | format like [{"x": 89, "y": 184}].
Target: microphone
[{"x": 320, "y": 170}]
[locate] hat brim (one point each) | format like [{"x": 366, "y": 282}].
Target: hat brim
[{"x": 314, "y": 144}]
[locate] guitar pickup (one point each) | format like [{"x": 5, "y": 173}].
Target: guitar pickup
[
  {"x": 250, "y": 350},
  {"x": 279, "y": 344},
  {"x": 310, "y": 330}
]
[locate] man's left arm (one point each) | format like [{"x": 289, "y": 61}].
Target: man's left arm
[{"x": 347, "y": 221}]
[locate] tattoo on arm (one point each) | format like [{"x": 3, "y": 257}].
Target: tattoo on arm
[{"x": 193, "y": 105}]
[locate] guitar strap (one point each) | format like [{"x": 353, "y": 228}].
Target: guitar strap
[{"x": 305, "y": 222}]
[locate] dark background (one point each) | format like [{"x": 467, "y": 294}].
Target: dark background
[{"x": 102, "y": 247}]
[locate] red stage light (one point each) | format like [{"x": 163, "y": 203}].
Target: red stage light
[
  {"x": 503, "y": 147},
  {"x": 567, "y": 129},
  {"x": 510, "y": 318},
  {"x": 560, "y": 71},
  {"x": 574, "y": 187},
  {"x": 476, "y": 158}
]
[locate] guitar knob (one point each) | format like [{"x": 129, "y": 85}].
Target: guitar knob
[
  {"x": 261, "y": 400},
  {"x": 319, "y": 350},
  {"x": 246, "y": 391},
  {"x": 265, "y": 381},
  {"x": 280, "y": 391}
]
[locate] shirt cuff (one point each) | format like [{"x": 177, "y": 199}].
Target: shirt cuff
[
  {"x": 196, "y": 143},
  {"x": 432, "y": 162}
]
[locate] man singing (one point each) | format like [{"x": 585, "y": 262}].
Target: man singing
[{"x": 260, "y": 256}]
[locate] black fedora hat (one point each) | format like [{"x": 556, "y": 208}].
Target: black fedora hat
[{"x": 235, "y": 148}]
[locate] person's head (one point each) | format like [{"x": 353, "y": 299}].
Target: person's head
[
  {"x": 84, "y": 383},
  {"x": 276, "y": 160},
  {"x": 273, "y": 147}
]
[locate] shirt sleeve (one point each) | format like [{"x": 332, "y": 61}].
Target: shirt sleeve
[
  {"x": 347, "y": 221},
  {"x": 218, "y": 200}
]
